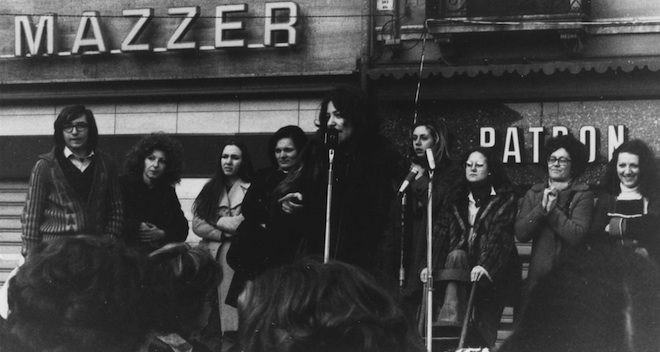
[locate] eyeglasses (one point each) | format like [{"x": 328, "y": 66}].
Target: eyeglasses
[
  {"x": 562, "y": 161},
  {"x": 471, "y": 165},
  {"x": 80, "y": 127}
]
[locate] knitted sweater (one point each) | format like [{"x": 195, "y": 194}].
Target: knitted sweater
[{"x": 53, "y": 208}]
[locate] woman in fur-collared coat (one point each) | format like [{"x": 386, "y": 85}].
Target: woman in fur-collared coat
[{"x": 475, "y": 243}]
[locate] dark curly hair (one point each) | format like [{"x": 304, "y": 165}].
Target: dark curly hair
[
  {"x": 355, "y": 106},
  {"x": 206, "y": 203},
  {"x": 134, "y": 162},
  {"x": 575, "y": 149},
  {"x": 189, "y": 274},
  {"x": 79, "y": 294},
  {"x": 648, "y": 169},
  {"x": 69, "y": 114},
  {"x": 333, "y": 307}
]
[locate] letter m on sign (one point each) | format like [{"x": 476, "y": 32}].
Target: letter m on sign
[{"x": 34, "y": 41}]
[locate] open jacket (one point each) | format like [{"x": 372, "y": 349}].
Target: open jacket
[
  {"x": 493, "y": 248},
  {"x": 551, "y": 233},
  {"x": 53, "y": 207}
]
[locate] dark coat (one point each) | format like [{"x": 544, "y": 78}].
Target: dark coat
[
  {"x": 366, "y": 177},
  {"x": 446, "y": 179},
  {"x": 258, "y": 246},
  {"x": 158, "y": 205},
  {"x": 493, "y": 248},
  {"x": 644, "y": 229}
]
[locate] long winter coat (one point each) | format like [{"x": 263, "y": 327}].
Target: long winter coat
[
  {"x": 366, "y": 176},
  {"x": 552, "y": 233},
  {"x": 217, "y": 238},
  {"x": 493, "y": 248}
]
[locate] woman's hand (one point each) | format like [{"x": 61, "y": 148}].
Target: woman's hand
[
  {"x": 148, "y": 232},
  {"x": 291, "y": 203},
  {"x": 420, "y": 168},
  {"x": 549, "y": 199},
  {"x": 424, "y": 275},
  {"x": 478, "y": 272}
]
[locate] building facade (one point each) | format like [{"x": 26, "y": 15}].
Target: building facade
[{"x": 512, "y": 72}]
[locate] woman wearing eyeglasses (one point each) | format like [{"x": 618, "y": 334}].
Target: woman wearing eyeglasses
[
  {"x": 474, "y": 243},
  {"x": 555, "y": 215}
]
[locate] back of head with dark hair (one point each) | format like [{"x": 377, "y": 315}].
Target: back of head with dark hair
[
  {"x": 80, "y": 294},
  {"x": 331, "y": 307},
  {"x": 187, "y": 275},
  {"x": 648, "y": 169},
  {"x": 69, "y": 114},
  {"x": 575, "y": 149},
  {"x": 607, "y": 299},
  {"x": 294, "y": 132}
]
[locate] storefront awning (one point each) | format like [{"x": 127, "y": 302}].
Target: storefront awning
[{"x": 576, "y": 66}]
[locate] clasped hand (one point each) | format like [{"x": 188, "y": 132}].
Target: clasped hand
[
  {"x": 148, "y": 232},
  {"x": 549, "y": 199}
]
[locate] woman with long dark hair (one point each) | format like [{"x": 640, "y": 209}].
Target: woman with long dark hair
[
  {"x": 367, "y": 171},
  {"x": 628, "y": 212},
  {"x": 153, "y": 212},
  {"x": 217, "y": 215}
]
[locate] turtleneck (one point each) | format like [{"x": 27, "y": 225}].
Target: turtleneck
[
  {"x": 480, "y": 190},
  {"x": 628, "y": 193},
  {"x": 560, "y": 185}
]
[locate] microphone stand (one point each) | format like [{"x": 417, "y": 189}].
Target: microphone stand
[
  {"x": 326, "y": 251},
  {"x": 429, "y": 264},
  {"x": 402, "y": 271}
]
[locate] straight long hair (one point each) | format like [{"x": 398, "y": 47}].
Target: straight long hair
[{"x": 206, "y": 203}]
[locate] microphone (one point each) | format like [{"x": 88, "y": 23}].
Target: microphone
[
  {"x": 430, "y": 158},
  {"x": 411, "y": 175},
  {"x": 332, "y": 138}
]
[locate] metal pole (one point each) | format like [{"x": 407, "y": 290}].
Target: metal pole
[
  {"x": 429, "y": 264},
  {"x": 402, "y": 270},
  {"x": 326, "y": 251}
]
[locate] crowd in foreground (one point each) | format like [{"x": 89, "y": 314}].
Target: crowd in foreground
[{"x": 254, "y": 282}]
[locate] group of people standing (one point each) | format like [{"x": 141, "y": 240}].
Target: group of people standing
[{"x": 252, "y": 222}]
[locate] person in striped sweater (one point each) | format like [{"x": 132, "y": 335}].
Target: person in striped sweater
[{"x": 73, "y": 189}]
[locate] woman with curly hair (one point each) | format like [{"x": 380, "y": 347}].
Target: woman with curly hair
[
  {"x": 628, "y": 212},
  {"x": 332, "y": 307},
  {"x": 217, "y": 215},
  {"x": 153, "y": 212},
  {"x": 555, "y": 215}
]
